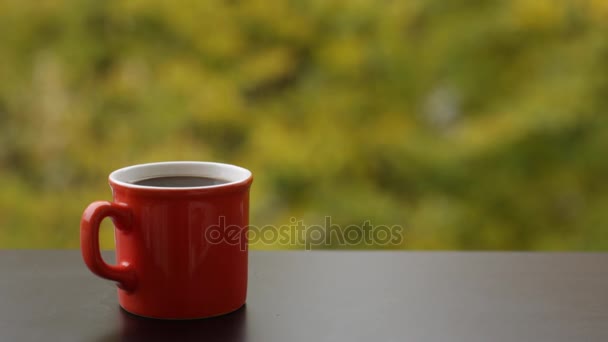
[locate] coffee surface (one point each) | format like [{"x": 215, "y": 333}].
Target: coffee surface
[{"x": 180, "y": 181}]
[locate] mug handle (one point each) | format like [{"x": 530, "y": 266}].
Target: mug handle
[{"x": 122, "y": 273}]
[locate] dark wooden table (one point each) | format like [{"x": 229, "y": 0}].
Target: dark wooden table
[{"x": 329, "y": 296}]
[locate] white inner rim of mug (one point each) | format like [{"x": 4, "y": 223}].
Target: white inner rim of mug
[{"x": 230, "y": 173}]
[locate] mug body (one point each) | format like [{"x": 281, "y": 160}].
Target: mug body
[{"x": 187, "y": 246}]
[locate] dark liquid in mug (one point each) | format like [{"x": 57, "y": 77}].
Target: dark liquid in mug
[{"x": 180, "y": 181}]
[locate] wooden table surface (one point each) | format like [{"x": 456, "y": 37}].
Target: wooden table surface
[{"x": 329, "y": 296}]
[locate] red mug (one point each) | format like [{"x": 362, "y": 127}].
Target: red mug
[{"x": 172, "y": 260}]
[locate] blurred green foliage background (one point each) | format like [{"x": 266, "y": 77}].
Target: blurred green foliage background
[{"x": 473, "y": 124}]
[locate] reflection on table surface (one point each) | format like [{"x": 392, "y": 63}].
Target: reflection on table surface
[{"x": 230, "y": 327}]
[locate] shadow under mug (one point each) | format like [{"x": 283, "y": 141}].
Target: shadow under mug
[{"x": 181, "y": 251}]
